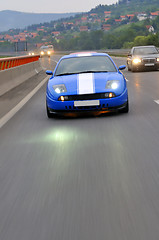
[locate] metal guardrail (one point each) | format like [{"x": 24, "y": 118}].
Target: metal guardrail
[{"x": 6, "y": 63}]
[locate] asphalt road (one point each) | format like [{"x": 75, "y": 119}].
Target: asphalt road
[{"x": 85, "y": 178}]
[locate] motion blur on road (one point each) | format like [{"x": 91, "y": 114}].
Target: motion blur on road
[{"x": 82, "y": 178}]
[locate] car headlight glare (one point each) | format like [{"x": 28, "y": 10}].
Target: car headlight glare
[
  {"x": 42, "y": 53},
  {"x": 60, "y": 88},
  {"x": 112, "y": 84},
  {"x": 48, "y": 52},
  {"x": 136, "y": 60},
  {"x": 157, "y": 59}
]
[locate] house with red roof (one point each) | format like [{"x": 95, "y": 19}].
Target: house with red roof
[
  {"x": 106, "y": 19},
  {"x": 150, "y": 28},
  {"x": 107, "y": 14},
  {"x": 83, "y": 28},
  {"x": 153, "y": 15},
  {"x": 84, "y": 19},
  {"x": 118, "y": 20},
  {"x": 130, "y": 16},
  {"x": 106, "y": 27}
]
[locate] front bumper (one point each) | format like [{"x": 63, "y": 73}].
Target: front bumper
[
  {"x": 146, "y": 65},
  {"x": 108, "y": 104}
]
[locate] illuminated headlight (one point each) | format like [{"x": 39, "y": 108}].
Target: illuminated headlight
[
  {"x": 157, "y": 59},
  {"x": 48, "y": 52},
  {"x": 33, "y": 54},
  {"x": 29, "y": 54},
  {"x": 42, "y": 53},
  {"x": 136, "y": 60},
  {"x": 112, "y": 84},
  {"x": 60, "y": 88}
]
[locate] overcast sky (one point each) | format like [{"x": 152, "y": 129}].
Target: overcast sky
[{"x": 52, "y": 6}]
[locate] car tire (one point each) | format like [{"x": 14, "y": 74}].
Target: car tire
[
  {"x": 133, "y": 69},
  {"x": 129, "y": 68},
  {"x": 49, "y": 114},
  {"x": 126, "y": 108}
]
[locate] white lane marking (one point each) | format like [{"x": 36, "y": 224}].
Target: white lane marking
[
  {"x": 10, "y": 114},
  {"x": 156, "y": 101},
  {"x": 85, "y": 83}
]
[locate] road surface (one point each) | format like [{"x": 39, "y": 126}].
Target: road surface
[{"x": 84, "y": 178}]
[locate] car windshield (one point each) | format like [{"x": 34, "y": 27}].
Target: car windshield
[
  {"x": 145, "y": 51},
  {"x": 44, "y": 47},
  {"x": 85, "y": 64}
]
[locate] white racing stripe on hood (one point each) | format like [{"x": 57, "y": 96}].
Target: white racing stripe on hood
[{"x": 85, "y": 83}]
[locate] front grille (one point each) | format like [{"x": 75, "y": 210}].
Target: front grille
[
  {"x": 92, "y": 96},
  {"x": 149, "y": 60}
]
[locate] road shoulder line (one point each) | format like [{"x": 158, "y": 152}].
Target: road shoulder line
[{"x": 12, "y": 112}]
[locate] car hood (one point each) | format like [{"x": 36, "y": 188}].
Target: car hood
[{"x": 87, "y": 83}]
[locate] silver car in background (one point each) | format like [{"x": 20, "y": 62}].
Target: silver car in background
[{"x": 143, "y": 58}]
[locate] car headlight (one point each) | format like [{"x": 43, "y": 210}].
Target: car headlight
[
  {"x": 60, "y": 88},
  {"x": 157, "y": 59},
  {"x": 112, "y": 84},
  {"x": 48, "y": 52},
  {"x": 42, "y": 53},
  {"x": 136, "y": 60}
]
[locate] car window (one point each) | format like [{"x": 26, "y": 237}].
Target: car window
[
  {"x": 85, "y": 64},
  {"x": 145, "y": 51}
]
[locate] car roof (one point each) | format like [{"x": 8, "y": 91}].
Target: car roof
[
  {"x": 144, "y": 46},
  {"x": 84, "y": 54}
]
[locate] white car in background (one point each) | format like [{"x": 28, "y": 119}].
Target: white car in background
[{"x": 46, "y": 51}]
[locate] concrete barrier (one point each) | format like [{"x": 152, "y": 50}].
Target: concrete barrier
[{"x": 12, "y": 77}]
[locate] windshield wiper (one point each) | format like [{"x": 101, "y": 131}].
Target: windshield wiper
[
  {"x": 67, "y": 73},
  {"x": 92, "y": 71}
]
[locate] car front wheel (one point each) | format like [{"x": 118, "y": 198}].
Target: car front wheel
[
  {"x": 126, "y": 108},
  {"x": 49, "y": 114}
]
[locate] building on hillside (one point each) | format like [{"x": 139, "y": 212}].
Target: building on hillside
[
  {"x": 107, "y": 14},
  {"x": 117, "y": 20},
  {"x": 56, "y": 33},
  {"x": 105, "y": 27},
  {"x": 97, "y": 20},
  {"x": 130, "y": 16},
  {"x": 83, "y": 28},
  {"x": 150, "y": 28},
  {"x": 40, "y": 30},
  {"x": 106, "y": 19},
  {"x": 93, "y": 15},
  {"x": 123, "y": 18},
  {"x": 84, "y": 19},
  {"x": 153, "y": 15},
  {"x": 142, "y": 16}
]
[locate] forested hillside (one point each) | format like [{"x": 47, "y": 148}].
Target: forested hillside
[{"x": 122, "y": 25}]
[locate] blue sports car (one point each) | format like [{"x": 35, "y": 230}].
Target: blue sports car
[{"x": 85, "y": 82}]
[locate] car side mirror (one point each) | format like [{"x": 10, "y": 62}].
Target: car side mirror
[
  {"x": 129, "y": 55},
  {"x": 48, "y": 72},
  {"x": 122, "y": 67}
]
